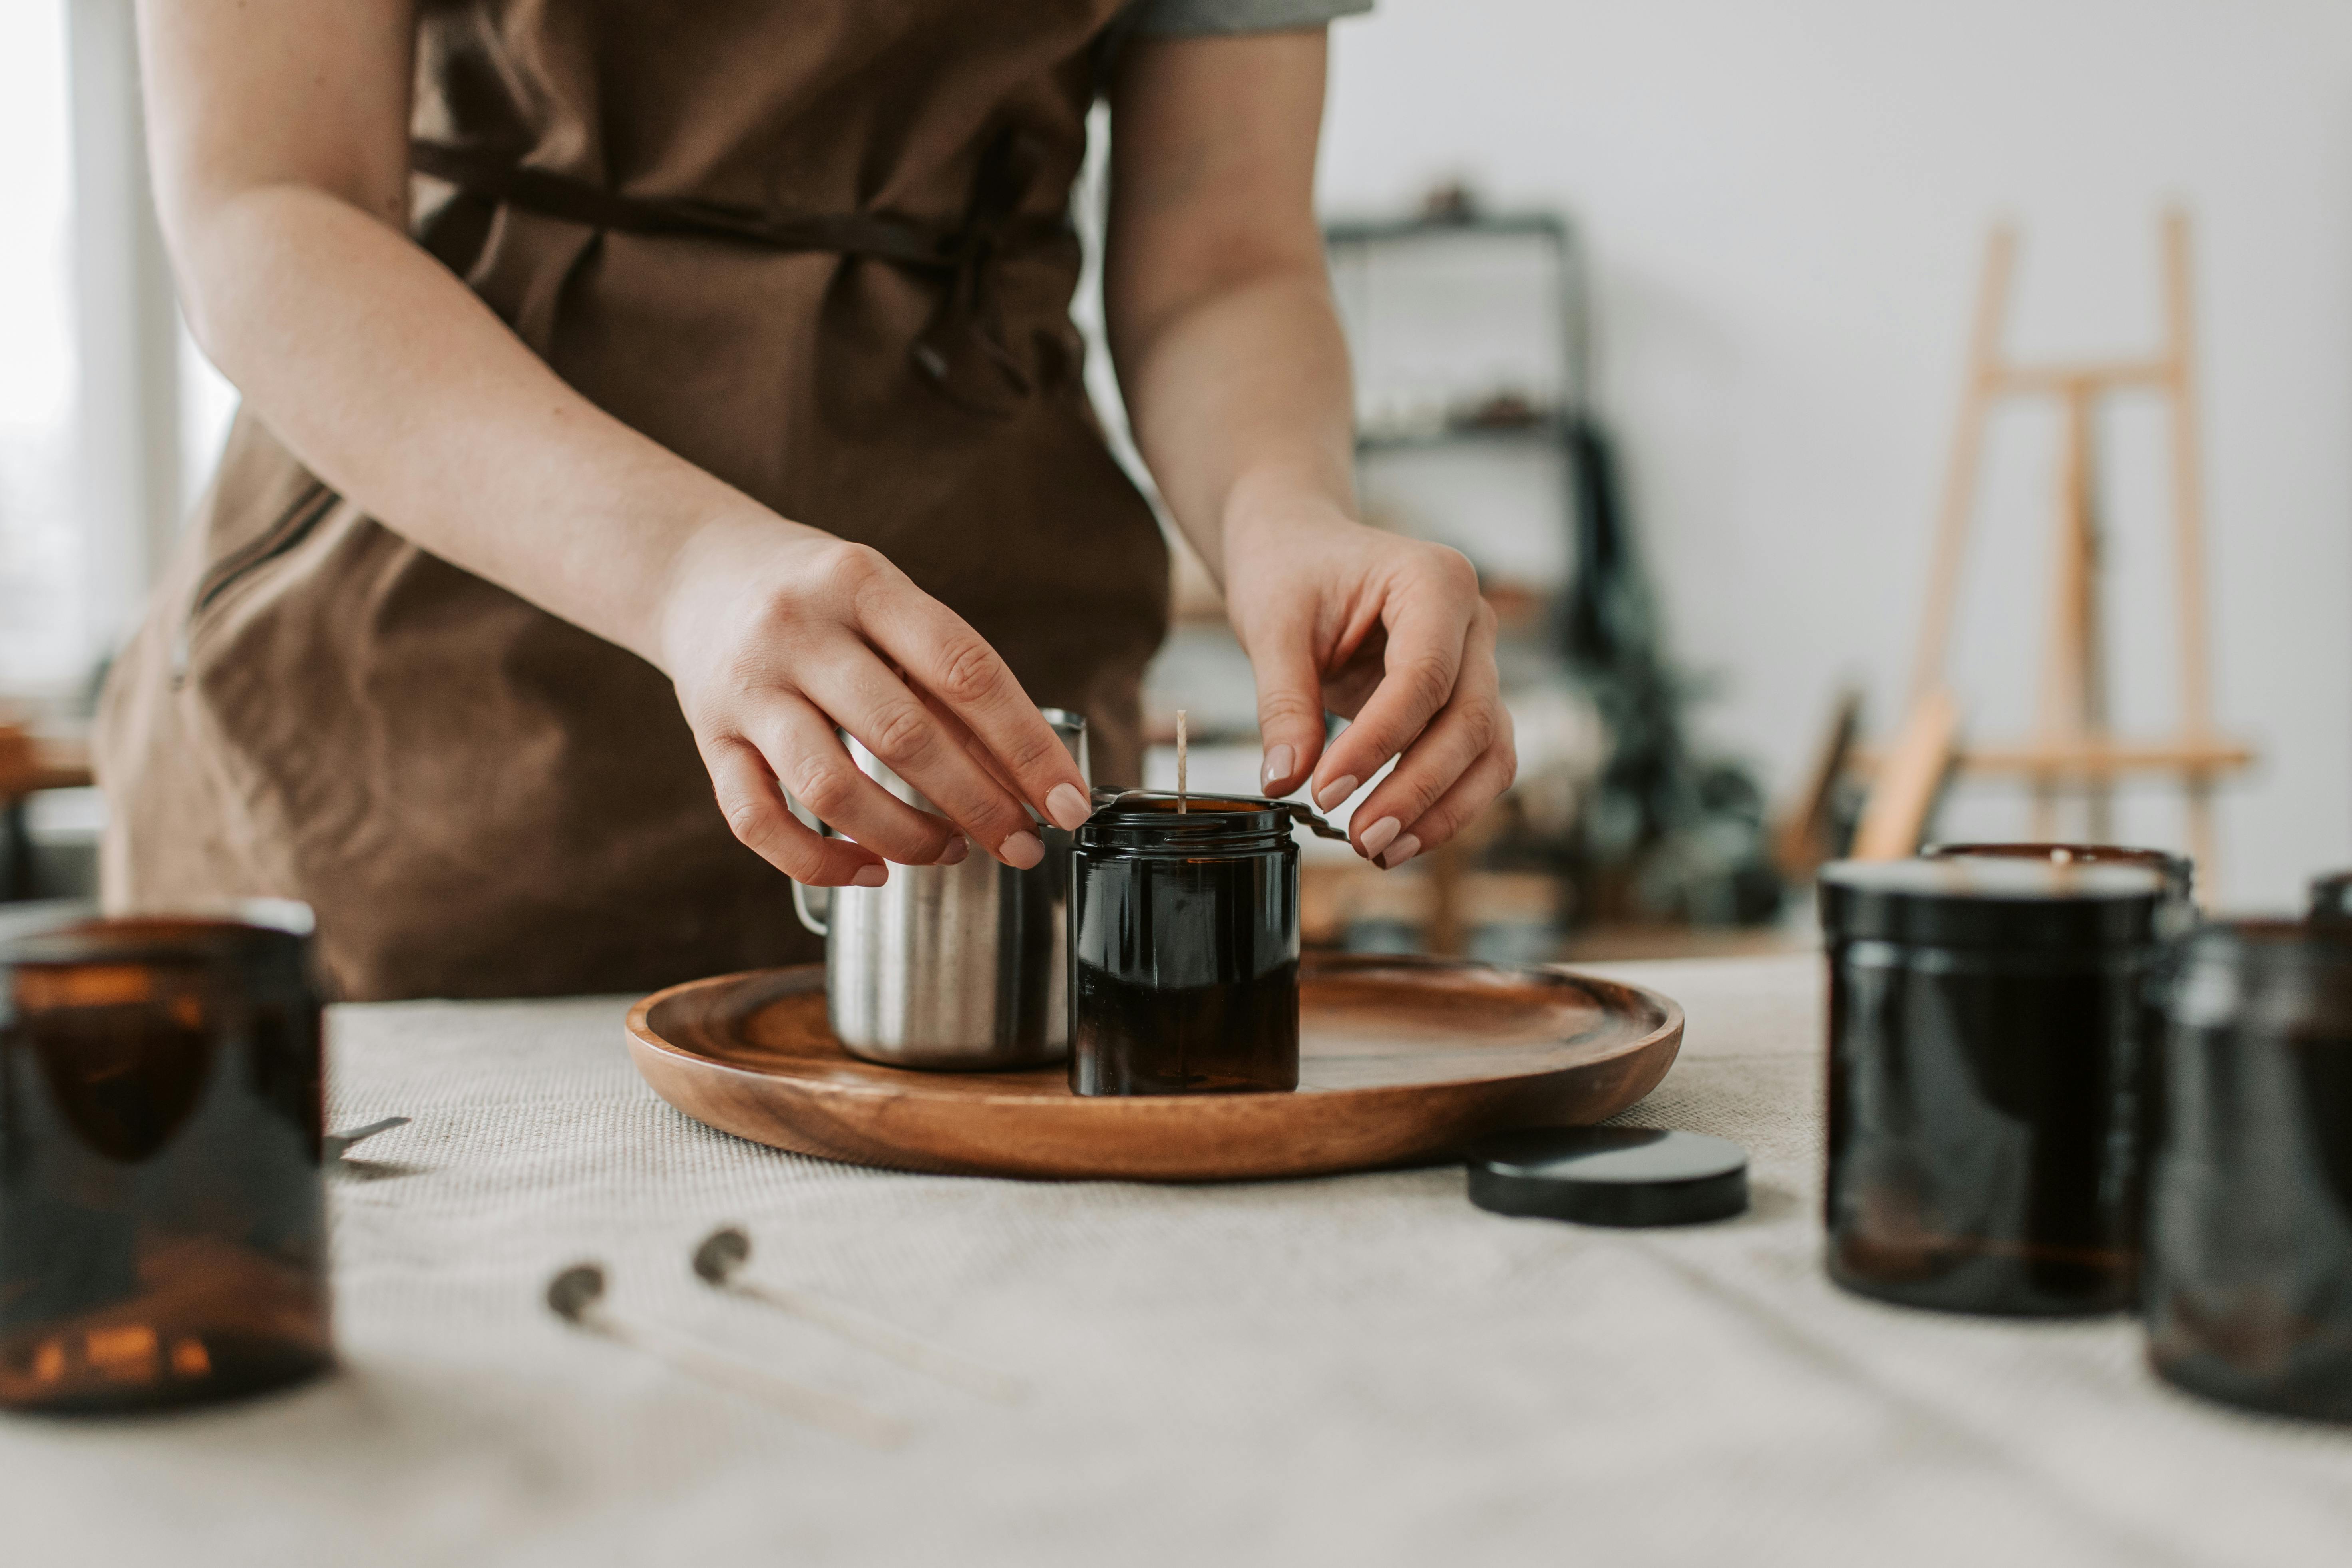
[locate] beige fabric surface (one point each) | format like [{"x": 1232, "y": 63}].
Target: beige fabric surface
[{"x": 1364, "y": 1370}]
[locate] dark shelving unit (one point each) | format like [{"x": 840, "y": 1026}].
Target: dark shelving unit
[{"x": 1456, "y": 225}]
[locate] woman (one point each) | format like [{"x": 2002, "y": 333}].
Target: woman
[{"x": 715, "y": 388}]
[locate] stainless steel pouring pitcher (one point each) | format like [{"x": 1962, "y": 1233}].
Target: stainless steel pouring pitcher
[{"x": 952, "y": 967}]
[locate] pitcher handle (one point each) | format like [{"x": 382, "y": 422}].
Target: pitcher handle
[
  {"x": 813, "y": 924},
  {"x": 816, "y": 925}
]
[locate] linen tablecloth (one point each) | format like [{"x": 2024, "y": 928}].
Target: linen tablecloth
[{"x": 1360, "y": 1369}]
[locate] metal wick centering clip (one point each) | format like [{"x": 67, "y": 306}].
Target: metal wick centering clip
[
  {"x": 725, "y": 1250},
  {"x": 335, "y": 1145},
  {"x": 577, "y": 1295}
]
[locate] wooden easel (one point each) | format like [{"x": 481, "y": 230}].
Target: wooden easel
[{"x": 2072, "y": 747}]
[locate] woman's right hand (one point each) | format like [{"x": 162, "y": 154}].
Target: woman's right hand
[
  {"x": 775, "y": 634},
  {"x": 282, "y": 176}
]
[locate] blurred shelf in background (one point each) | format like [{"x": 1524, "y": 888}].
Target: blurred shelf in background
[
  {"x": 51, "y": 816},
  {"x": 1469, "y": 337},
  {"x": 32, "y": 759},
  {"x": 1506, "y": 917}
]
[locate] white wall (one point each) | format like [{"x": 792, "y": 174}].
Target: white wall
[{"x": 1787, "y": 205}]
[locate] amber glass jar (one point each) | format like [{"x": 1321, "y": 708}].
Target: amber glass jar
[
  {"x": 1184, "y": 948},
  {"x": 162, "y": 1229},
  {"x": 2249, "y": 1294},
  {"x": 1989, "y": 1018}
]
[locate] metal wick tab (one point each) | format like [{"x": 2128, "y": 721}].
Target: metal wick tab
[
  {"x": 1298, "y": 812},
  {"x": 577, "y": 1295},
  {"x": 726, "y": 1250}
]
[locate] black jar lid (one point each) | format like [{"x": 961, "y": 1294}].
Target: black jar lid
[
  {"x": 1610, "y": 1176},
  {"x": 1998, "y": 901},
  {"x": 1150, "y": 820}
]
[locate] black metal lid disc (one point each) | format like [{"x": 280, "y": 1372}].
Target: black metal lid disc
[{"x": 1610, "y": 1176}]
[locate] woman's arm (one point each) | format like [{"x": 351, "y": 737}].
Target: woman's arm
[
  {"x": 1235, "y": 374},
  {"x": 279, "y": 141}
]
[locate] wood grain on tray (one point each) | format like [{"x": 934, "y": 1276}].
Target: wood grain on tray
[{"x": 1400, "y": 1060}]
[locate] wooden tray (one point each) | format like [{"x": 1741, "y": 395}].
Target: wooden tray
[{"x": 1400, "y": 1060}]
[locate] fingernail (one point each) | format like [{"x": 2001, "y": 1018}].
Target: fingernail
[
  {"x": 870, "y": 877},
  {"x": 1020, "y": 852},
  {"x": 958, "y": 847},
  {"x": 1335, "y": 792},
  {"x": 1377, "y": 836},
  {"x": 1402, "y": 851},
  {"x": 1279, "y": 764},
  {"x": 1067, "y": 807}
]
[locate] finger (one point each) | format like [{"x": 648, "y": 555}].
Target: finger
[
  {"x": 1422, "y": 660},
  {"x": 1290, "y": 706},
  {"x": 1468, "y": 726},
  {"x": 755, "y": 810},
  {"x": 807, "y": 758},
  {"x": 944, "y": 656},
  {"x": 970, "y": 743},
  {"x": 1471, "y": 794},
  {"x": 866, "y": 700}
]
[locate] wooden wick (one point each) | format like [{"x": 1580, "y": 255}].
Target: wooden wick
[
  {"x": 725, "y": 1250},
  {"x": 576, "y": 1295},
  {"x": 1180, "y": 806}
]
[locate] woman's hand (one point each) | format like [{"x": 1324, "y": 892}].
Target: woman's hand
[
  {"x": 281, "y": 173},
  {"x": 1219, "y": 304},
  {"x": 1389, "y": 632},
  {"x": 776, "y": 633}
]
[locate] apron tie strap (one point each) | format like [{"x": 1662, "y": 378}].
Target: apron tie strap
[{"x": 961, "y": 350}]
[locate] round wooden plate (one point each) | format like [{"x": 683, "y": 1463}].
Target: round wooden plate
[{"x": 1402, "y": 1059}]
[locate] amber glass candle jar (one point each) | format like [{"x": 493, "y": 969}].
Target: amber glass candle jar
[
  {"x": 162, "y": 1229},
  {"x": 1184, "y": 948},
  {"x": 1989, "y": 1018},
  {"x": 2248, "y": 1295}
]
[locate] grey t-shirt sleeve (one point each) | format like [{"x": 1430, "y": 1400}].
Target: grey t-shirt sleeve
[{"x": 1177, "y": 18}]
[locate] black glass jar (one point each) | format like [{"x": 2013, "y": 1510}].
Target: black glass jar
[
  {"x": 1988, "y": 1022},
  {"x": 163, "y": 1227},
  {"x": 1184, "y": 947},
  {"x": 2331, "y": 903},
  {"x": 2249, "y": 1287}
]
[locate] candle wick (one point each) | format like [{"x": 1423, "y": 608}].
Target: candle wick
[{"x": 1180, "y": 807}]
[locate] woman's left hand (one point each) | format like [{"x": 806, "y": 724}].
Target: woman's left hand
[
  {"x": 1217, "y": 296},
  {"x": 1391, "y": 633}
]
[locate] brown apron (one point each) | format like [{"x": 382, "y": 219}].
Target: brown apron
[{"x": 819, "y": 247}]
